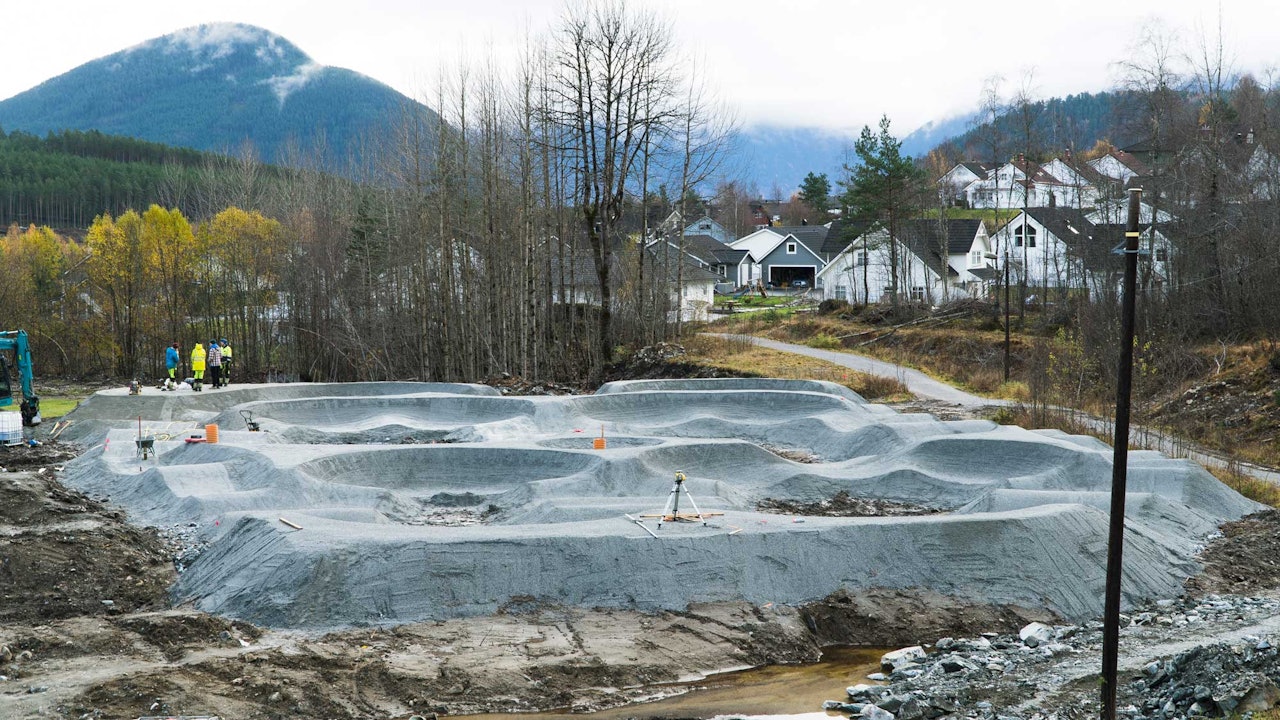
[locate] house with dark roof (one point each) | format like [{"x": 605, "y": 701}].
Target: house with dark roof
[
  {"x": 937, "y": 260},
  {"x": 952, "y": 185},
  {"x": 691, "y": 287},
  {"x": 1011, "y": 185},
  {"x": 1060, "y": 248},
  {"x": 776, "y": 259},
  {"x": 1078, "y": 184},
  {"x": 710, "y": 254},
  {"x": 1120, "y": 165}
]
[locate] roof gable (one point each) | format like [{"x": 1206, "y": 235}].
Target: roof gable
[{"x": 759, "y": 243}]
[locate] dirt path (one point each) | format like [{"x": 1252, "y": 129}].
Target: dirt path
[{"x": 917, "y": 382}]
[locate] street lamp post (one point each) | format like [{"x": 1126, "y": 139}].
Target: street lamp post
[
  {"x": 1120, "y": 464},
  {"x": 1006, "y": 310}
]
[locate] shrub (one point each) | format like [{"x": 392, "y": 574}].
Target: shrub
[
  {"x": 878, "y": 386},
  {"x": 824, "y": 341},
  {"x": 833, "y": 307}
]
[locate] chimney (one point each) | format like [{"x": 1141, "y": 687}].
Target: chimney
[
  {"x": 804, "y": 221},
  {"x": 1068, "y": 154},
  {"x": 1248, "y": 139}
]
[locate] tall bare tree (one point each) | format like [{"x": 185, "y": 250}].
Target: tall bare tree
[{"x": 615, "y": 68}]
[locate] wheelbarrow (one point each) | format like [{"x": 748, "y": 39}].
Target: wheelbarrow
[
  {"x": 249, "y": 421},
  {"x": 146, "y": 446}
]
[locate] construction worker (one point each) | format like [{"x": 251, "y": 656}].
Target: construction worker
[
  {"x": 171, "y": 360},
  {"x": 215, "y": 364},
  {"x": 226, "y": 363},
  {"x": 197, "y": 365}
]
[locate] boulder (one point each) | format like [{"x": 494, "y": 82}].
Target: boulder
[
  {"x": 1263, "y": 696},
  {"x": 890, "y": 660},
  {"x": 872, "y": 712},
  {"x": 1035, "y": 634}
]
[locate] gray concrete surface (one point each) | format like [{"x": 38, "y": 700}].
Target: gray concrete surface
[{"x": 419, "y": 501}]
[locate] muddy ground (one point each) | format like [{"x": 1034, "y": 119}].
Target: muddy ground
[
  {"x": 88, "y": 632},
  {"x": 87, "y": 629}
]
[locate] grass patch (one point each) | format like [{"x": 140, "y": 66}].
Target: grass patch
[
  {"x": 755, "y": 301},
  {"x": 825, "y": 341},
  {"x": 56, "y": 407},
  {"x": 1257, "y": 490},
  {"x": 744, "y": 357},
  {"x": 1040, "y": 418},
  {"x": 50, "y": 407}
]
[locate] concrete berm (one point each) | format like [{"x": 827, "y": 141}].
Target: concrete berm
[{"x": 382, "y": 503}]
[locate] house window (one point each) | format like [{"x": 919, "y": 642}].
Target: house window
[
  {"x": 1162, "y": 254},
  {"x": 704, "y": 226},
  {"x": 842, "y": 294},
  {"x": 791, "y": 248},
  {"x": 975, "y": 258},
  {"x": 917, "y": 293},
  {"x": 859, "y": 258},
  {"x": 1030, "y": 235}
]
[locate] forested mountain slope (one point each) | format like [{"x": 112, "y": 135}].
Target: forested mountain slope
[{"x": 214, "y": 87}]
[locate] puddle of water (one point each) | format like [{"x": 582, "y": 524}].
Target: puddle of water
[{"x": 775, "y": 690}]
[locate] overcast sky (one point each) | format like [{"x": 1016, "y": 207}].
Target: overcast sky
[{"x": 823, "y": 63}]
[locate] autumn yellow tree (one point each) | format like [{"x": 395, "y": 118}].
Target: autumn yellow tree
[
  {"x": 243, "y": 254},
  {"x": 173, "y": 259},
  {"x": 124, "y": 282}
]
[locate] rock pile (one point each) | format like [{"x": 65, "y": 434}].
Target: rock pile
[{"x": 1049, "y": 673}]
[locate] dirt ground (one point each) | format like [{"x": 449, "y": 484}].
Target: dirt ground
[
  {"x": 88, "y": 632},
  {"x": 1244, "y": 561}
]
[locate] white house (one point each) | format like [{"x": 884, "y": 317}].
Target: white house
[
  {"x": 1009, "y": 183},
  {"x": 936, "y": 261},
  {"x": 1119, "y": 165},
  {"x": 1077, "y": 185},
  {"x": 952, "y": 185},
  {"x": 1061, "y": 249}
]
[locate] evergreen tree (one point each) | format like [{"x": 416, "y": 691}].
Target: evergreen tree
[
  {"x": 883, "y": 187},
  {"x": 815, "y": 191}
]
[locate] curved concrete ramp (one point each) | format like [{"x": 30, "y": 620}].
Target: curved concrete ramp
[{"x": 383, "y": 503}]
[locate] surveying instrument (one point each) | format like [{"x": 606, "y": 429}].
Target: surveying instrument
[{"x": 671, "y": 513}]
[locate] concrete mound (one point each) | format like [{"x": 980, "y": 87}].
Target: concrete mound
[{"x": 397, "y": 502}]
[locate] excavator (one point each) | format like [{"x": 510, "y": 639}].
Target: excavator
[{"x": 16, "y": 341}]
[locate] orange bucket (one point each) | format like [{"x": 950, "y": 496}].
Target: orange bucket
[
  {"x": 598, "y": 443},
  {"x": 211, "y": 433}
]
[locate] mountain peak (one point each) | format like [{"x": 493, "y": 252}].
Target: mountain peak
[
  {"x": 216, "y": 41},
  {"x": 212, "y": 87}
]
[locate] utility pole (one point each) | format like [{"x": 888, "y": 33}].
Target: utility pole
[
  {"x": 1006, "y": 304},
  {"x": 1120, "y": 464}
]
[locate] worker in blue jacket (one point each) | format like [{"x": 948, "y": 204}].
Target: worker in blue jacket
[{"x": 171, "y": 360}]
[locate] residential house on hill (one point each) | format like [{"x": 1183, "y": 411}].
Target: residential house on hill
[
  {"x": 1077, "y": 184},
  {"x": 706, "y": 226},
  {"x": 1012, "y": 183},
  {"x": 951, "y": 186},
  {"x": 674, "y": 224},
  {"x": 1120, "y": 165}
]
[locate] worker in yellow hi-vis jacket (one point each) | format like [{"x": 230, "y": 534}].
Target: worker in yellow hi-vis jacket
[{"x": 197, "y": 365}]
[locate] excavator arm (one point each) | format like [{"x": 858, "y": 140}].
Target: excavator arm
[{"x": 16, "y": 340}]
